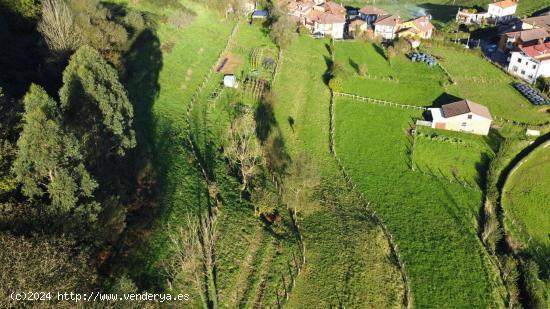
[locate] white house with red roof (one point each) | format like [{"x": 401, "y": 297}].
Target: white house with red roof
[
  {"x": 320, "y": 17},
  {"x": 462, "y": 116},
  {"x": 503, "y": 10},
  {"x": 531, "y": 62}
]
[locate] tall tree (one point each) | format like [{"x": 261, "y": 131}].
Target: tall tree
[
  {"x": 242, "y": 147},
  {"x": 9, "y": 124},
  {"x": 96, "y": 106},
  {"x": 58, "y": 27},
  {"x": 41, "y": 263},
  {"x": 49, "y": 163}
]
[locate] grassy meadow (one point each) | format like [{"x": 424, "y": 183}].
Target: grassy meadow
[
  {"x": 413, "y": 83},
  {"x": 526, "y": 200},
  {"x": 479, "y": 81},
  {"x": 451, "y": 155},
  {"x": 433, "y": 220}
]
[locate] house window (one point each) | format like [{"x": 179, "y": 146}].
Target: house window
[
  {"x": 519, "y": 60},
  {"x": 530, "y": 76},
  {"x": 534, "y": 66},
  {"x": 463, "y": 124},
  {"x": 469, "y": 116},
  {"x": 515, "y": 68},
  {"x": 522, "y": 72}
]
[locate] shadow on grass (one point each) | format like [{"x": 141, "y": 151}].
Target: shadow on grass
[
  {"x": 143, "y": 63},
  {"x": 445, "y": 98},
  {"x": 440, "y": 12}
]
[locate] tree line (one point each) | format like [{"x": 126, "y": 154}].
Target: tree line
[{"x": 67, "y": 139}]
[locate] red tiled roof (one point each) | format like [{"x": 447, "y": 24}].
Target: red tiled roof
[
  {"x": 371, "y": 10},
  {"x": 537, "y": 51},
  {"x": 505, "y": 4},
  {"x": 465, "y": 107},
  {"x": 423, "y": 24},
  {"x": 388, "y": 20}
]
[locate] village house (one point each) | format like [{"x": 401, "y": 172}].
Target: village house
[
  {"x": 502, "y": 11},
  {"x": 535, "y": 22},
  {"x": 497, "y": 12},
  {"x": 331, "y": 21},
  {"x": 470, "y": 16},
  {"x": 462, "y": 116},
  {"x": 531, "y": 62},
  {"x": 523, "y": 38},
  {"x": 420, "y": 27},
  {"x": 370, "y": 14},
  {"x": 357, "y": 26},
  {"x": 321, "y": 18},
  {"x": 386, "y": 26}
]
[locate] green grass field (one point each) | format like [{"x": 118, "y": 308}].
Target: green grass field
[
  {"x": 526, "y": 199},
  {"x": 413, "y": 83},
  {"x": 451, "y": 155},
  {"x": 410, "y": 83},
  {"x": 433, "y": 221},
  {"x": 478, "y": 80},
  {"x": 347, "y": 258}
]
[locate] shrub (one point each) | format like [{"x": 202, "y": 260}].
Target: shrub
[{"x": 362, "y": 70}]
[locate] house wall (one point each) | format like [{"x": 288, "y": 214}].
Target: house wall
[
  {"x": 469, "y": 123},
  {"x": 528, "y": 68},
  {"x": 386, "y": 32},
  {"x": 334, "y": 30},
  {"x": 497, "y": 11}
]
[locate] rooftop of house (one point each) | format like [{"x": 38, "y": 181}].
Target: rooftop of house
[
  {"x": 372, "y": 10},
  {"x": 505, "y": 4},
  {"x": 542, "y": 21},
  {"x": 423, "y": 23},
  {"x": 388, "y": 20},
  {"x": 465, "y": 107},
  {"x": 530, "y": 34},
  {"x": 539, "y": 51},
  {"x": 334, "y": 8}
]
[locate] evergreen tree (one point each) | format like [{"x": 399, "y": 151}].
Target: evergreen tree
[
  {"x": 49, "y": 164},
  {"x": 96, "y": 107}
]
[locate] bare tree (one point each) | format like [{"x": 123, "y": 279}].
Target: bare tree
[
  {"x": 58, "y": 26},
  {"x": 242, "y": 147},
  {"x": 302, "y": 179},
  {"x": 194, "y": 259}
]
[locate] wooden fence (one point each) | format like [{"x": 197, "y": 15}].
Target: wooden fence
[{"x": 378, "y": 101}]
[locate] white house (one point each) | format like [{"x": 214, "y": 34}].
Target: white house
[
  {"x": 470, "y": 16},
  {"x": 328, "y": 19},
  {"x": 462, "y": 116},
  {"x": 503, "y": 10},
  {"x": 387, "y": 26},
  {"x": 531, "y": 62}
]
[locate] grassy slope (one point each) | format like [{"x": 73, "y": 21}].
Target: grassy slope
[
  {"x": 451, "y": 155},
  {"x": 434, "y": 222},
  {"x": 526, "y": 199},
  {"x": 482, "y": 82},
  {"x": 346, "y": 257},
  {"x": 412, "y": 83},
  {"x": 418, "y": 84}
]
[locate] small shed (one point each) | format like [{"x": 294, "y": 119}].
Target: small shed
[
  {"x": 230, "y": 81},
  {"x": 260, "y": 14}
]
